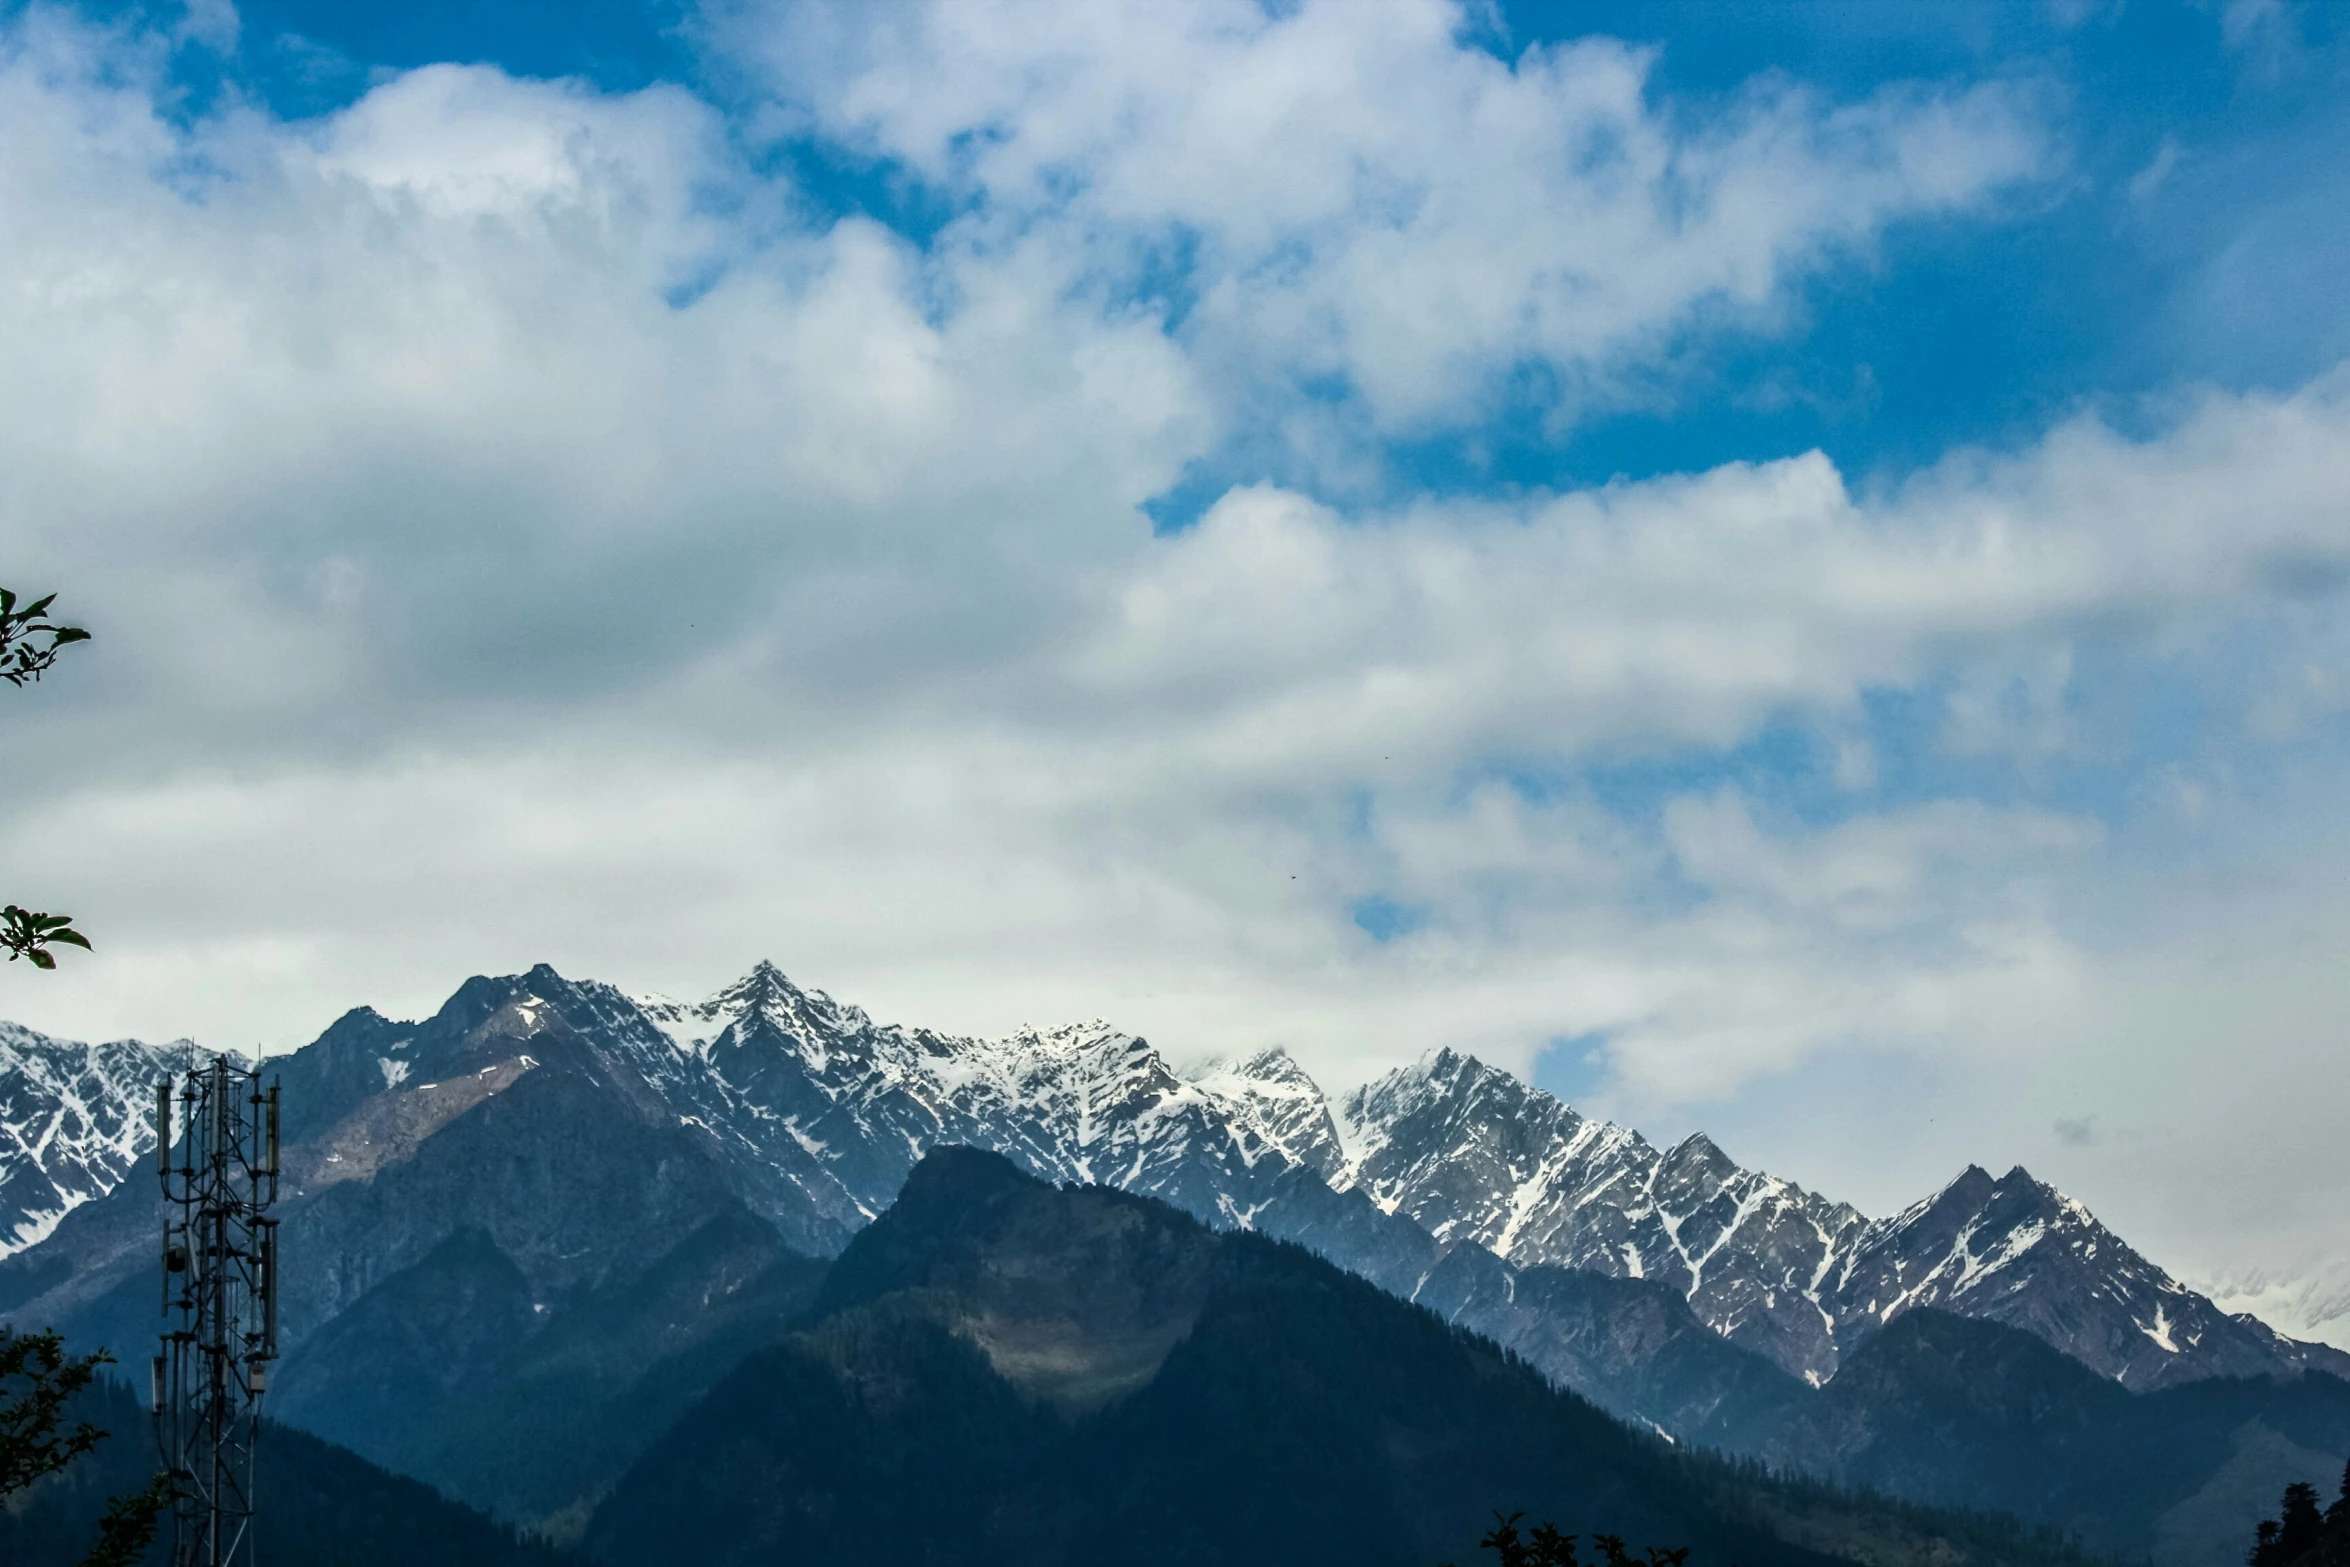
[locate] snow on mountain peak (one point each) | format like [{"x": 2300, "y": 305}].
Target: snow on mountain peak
[{"x": 73, "y": 1118}]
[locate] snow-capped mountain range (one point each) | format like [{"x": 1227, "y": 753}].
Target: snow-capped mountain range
[{"x": 812, "y": 1114}]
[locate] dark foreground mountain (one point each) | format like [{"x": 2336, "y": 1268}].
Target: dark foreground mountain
[
  {"x": 451, "y": 1371},
  {"x": 1970, "y": 1414},
  {"x": 321, "y": 1506},
  {"x": 999, "y": 1371}
]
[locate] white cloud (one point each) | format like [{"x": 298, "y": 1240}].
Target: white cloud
[
  {"x": 2308, "y": 1297},
  {"x": 1363, "y": 192}
]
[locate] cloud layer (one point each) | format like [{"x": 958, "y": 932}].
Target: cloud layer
[{"x": 527, "y": 522}]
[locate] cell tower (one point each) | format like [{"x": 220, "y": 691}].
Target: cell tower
[{"x": 220, "y": 1292}]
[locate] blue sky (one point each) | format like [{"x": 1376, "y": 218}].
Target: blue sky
[{"x": 1776, "y": 568}]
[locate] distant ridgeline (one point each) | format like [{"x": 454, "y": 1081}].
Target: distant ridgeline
[{"x": 533, "y": 1242}]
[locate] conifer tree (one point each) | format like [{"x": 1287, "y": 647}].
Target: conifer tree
[
  {"x": 38, "y": 1381},
  {"x": 2299, "y": 1525},
  {"x": 1544, "y": 1546},
  {"x": 2338, "y": 1515}
]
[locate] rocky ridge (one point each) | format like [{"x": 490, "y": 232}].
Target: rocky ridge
[{"x": 810, "y": 1115}]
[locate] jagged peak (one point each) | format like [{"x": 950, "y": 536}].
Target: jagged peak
[
  {"x": 1272, "y": 1066},
  {"x": 1440, "y": 1068},
  {"x": 2019, "y": 1185},
  {"x": 1970, "y": 1185},
  {"x": 1442, "y": 1061},
  {"x": 766, "y": 991},
  {"x": 1091, "y": 1027},
  {"x": 1699, "y": 1149},
  {"x": 1094, "y": 1048},
  {"x": 764, "y": 982},
  {"x": 2020, "y": 1179}
]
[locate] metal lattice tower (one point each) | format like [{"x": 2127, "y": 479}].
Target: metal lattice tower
[{"x": 220, "y": 1292}]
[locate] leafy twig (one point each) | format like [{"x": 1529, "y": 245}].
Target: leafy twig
[
  {"x": 27, "y": 934},
  {"x": 22, "y": 657}
]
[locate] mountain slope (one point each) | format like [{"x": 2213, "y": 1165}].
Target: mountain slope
[
  {"x": 1969, "y": 1413},
  {"x": 1632, "y": 1346},
  {"x": 321, "y": 1506},
  {"x": 451, "y": 1372},
  {"x": 1006, "y": 1372}
]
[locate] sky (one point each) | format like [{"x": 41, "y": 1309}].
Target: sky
[{"x": 1780, "y": 568}]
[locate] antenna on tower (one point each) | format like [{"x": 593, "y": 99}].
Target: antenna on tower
[{"x": 220, "y": 1280}]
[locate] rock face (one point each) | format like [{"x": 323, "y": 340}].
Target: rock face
[
  {"x": 584, "y": 1133},
  {"x": 1472, "y": 1154},
  {"x": 72, "y": 1119}
]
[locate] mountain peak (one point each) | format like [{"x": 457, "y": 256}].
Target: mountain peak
[
  {"x": 1446, "y": 1073},
  {"x": 1971, "y": 1185},
  {"x": 1445, "y": 1062},
  {"x": 1271, "y": 1065},
  {"x": 767, "y": 993},
  {"x": 1700, "y": 1152},
  {"x": 764, "y": 982}
]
